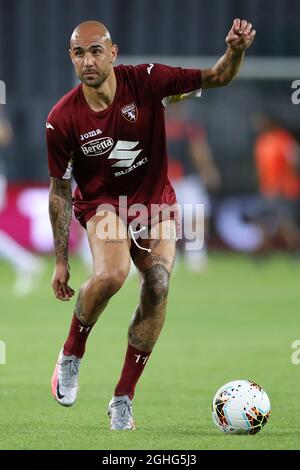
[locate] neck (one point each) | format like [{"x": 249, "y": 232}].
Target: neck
[{"x": 100, "y": 98}]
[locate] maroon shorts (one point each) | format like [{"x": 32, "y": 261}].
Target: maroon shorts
[{"x": 166, "y": 208}]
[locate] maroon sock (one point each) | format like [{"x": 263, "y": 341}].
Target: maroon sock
[
  {"x": 78, "y": 335},
  {"x": 134, "y": 364}
]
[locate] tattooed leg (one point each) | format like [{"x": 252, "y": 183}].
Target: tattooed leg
[
  {"x": 149, "y": 317},
  {"x": 155, "y": 268}
]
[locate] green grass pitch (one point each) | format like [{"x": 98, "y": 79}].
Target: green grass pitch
[{"x": 236, "y": 321}]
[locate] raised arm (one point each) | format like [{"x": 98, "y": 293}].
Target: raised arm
[
  {"x": 60, "y": 212},
  {"x": 239, "y": 38}
]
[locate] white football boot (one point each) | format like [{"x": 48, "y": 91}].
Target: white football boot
[
  {"x": 120, "y": 413},
  {"x": 64, "y": 383}
]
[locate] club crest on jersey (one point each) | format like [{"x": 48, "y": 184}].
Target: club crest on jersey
[{"x": 130, "y": 112}]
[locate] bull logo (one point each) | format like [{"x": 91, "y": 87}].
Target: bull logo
[{"x": 130, "y": 112}]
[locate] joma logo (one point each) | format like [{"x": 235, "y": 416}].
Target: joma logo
[{"x": 88, "y": 135}]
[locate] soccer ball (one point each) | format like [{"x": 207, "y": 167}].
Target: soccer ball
[{"x": 241, "y": 407}]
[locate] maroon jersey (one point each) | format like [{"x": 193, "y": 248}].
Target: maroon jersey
[{"x": 122, "y": 149}]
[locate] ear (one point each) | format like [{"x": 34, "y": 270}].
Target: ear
[
  {"x": 71, "y": 55},
  {"x": 114, "y": 53}
]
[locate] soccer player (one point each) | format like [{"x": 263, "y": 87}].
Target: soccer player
[{"x": 109, "y": 134}]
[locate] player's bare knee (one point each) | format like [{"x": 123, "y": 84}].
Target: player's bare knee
[
  {"x": 113, "y": 281},
  {"x": 156, "y": 284},
  {"x": 108, "y": 283}
]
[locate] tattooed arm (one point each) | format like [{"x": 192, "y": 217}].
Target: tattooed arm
[
  {"x": 60, "y": 212},
  {"x": 239, "y": 38}
]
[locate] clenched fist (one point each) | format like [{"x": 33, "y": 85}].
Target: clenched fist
[{"x": 241, "y": 35}]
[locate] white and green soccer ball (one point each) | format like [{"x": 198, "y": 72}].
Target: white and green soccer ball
[{"x": 241, "y": 407}]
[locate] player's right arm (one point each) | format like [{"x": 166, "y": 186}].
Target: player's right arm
[
  {"x": 60, "y": 197},
  {"x": 60, "y": 212}
]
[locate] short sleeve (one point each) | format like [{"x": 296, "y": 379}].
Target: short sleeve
[
  {"x": 168, "y": 81},
  {"x": 59, "y": 150}
]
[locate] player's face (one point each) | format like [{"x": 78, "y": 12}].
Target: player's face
[{"x": 93, "y": 58}]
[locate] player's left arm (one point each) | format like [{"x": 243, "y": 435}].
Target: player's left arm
[{"x": 239, "y": 38}]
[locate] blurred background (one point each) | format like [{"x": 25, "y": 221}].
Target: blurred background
[{"x": 236, "y": 150}]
